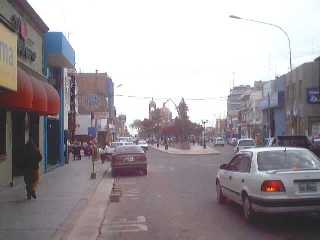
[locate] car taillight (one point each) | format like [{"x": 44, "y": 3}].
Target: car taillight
[{"x": 272, "y": 186}]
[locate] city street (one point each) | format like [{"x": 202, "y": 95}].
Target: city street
[{"x": 177, "y": 201}]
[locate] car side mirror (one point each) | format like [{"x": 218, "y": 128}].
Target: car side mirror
[{"x": 224, "y": 166}]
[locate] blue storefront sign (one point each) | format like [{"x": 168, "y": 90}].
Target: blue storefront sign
[
  {"x": 92, "y": 132},
  {"x": 313, "y": 95}
]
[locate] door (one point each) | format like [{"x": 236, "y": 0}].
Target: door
[
  {"x": 228, "y": 177},
  {"x": 53, "y": 142},
  {"x": 241, "y": 176}
]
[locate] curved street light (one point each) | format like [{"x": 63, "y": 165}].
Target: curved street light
[{"x": 270, "y": 24}]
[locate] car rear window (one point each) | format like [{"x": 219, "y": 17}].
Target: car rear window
[
  {"x": 287, "y": 160},
  {"x": 246, "y": 143},
  {"x": 129, "y": 149}
]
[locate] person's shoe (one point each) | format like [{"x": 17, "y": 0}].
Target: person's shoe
[
  {"x": 33, "y": 194},
  {"x": 29, "y": 196}
]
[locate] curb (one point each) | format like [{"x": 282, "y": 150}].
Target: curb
[{"x": 69, "y": 224}]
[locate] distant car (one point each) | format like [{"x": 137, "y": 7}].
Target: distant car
[
  {"x": 316, "y": 142},
  {"x": 233, "y": 141},
  {"x": 114, "y": 145},
  {"x": 143, "y": 144},
  {"x": 129, "y": 157},
  {"x": 244, "y": 143},
  {"x": 219, "y": 141},
  {"x": 106, "y": 153},
  {"x": 271, "y": 180}
]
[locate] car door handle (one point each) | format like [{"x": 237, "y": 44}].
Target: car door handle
[
  {"x": 230, "y": 177},
  {"x": 242, "y": 180}
]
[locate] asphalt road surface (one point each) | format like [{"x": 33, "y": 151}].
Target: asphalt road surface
[{"x": 177, "y": 200}]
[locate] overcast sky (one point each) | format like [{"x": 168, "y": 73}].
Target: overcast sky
[{"x": 182, "y": 48}]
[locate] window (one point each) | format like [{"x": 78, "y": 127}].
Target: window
[
  {"x": 287, "y": 160},
  {"x": 245, "y": 163},
  {"x": 2, "y": 132},
  {"x": 248, "y": 142},
  {"x": 234, "y": 164}
]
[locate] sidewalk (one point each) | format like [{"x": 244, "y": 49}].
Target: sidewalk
[
  {"x": 194, "y": 150},
  {"x": 63, "y": 195}
]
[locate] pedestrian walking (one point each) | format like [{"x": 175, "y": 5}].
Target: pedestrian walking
[{"x": 32, "y": 157}]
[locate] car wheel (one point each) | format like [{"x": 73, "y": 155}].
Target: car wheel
[
  {"x": 248, "y": 212},
  {"x": 220, "y": 197}
]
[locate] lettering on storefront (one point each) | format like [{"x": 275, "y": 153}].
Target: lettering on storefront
[
  {"x": 6, "y": 53},
  {"x": 8, "y": 58},
  {"x": 23, "y": 49}
]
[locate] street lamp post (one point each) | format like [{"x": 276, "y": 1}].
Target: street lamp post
[
  {"x": 273, "y": 25},
  {"x": 204, "y": 132}
]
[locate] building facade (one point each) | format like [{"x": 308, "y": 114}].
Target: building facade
[
  {"x": 60, "y": 57},
  {"x": 233, "y": 108},
  {"x": 273, "y": 107},
  {"x": 26, "y": 97},
  {"x": 95, "y": 97},
  {"x": 302, "y": 100}
]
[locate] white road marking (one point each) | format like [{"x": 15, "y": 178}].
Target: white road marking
[
  {"x": 129, "y": 228},
  {"x": 125, "y": 225},
  {"x": 133, "y": 194}
]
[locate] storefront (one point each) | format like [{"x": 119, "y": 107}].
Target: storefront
[
  {"x": 60, "y": 56},
  {"x": 28, "y": 97}
]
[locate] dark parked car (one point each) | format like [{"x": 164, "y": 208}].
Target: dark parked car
[
  {"x": 129, "y": 157},
  {"x": 295, "y": 141}
]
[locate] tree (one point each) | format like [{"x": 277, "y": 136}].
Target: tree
[
  {"x": 183, "y": 122},
  {"x": 137, "y": 124},
  {"x": 183, "y": 110}
]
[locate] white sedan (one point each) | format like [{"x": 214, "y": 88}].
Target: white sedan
[
  {"x": 271, "y": 180},
  {"x": 244, "y": 143}
]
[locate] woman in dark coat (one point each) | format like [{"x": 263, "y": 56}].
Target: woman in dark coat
[{"x": 32, "y": 157}]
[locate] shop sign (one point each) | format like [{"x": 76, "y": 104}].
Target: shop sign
[
  {"x": 8, "y": 58},
  {"x": 313, "y": 95},
  {"x": 89, "y": 103},
  {"x": 21, "y": 28}
]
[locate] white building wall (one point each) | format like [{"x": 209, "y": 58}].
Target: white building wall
[{"x": 83, "y": 122}]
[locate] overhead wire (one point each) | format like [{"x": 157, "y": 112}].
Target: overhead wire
[{"x": 221, "y": 98}]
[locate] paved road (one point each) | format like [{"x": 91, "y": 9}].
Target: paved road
[{"x": 177, "y": 201}]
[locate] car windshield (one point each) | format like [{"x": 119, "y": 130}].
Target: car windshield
[
  {"x": 129, "y": 149},
  {"x": 246, "y": 143},
  {"x": 287, "y": 160}
]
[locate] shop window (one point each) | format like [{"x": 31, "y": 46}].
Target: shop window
[{"x": 2, "y": 133}]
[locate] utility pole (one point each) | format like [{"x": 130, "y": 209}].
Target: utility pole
[
  {"x": 204, "y": 133},
  {"x": 269, "y": 117}
]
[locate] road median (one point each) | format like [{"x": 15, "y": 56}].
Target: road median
[{"x": 194, "y": 150}]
